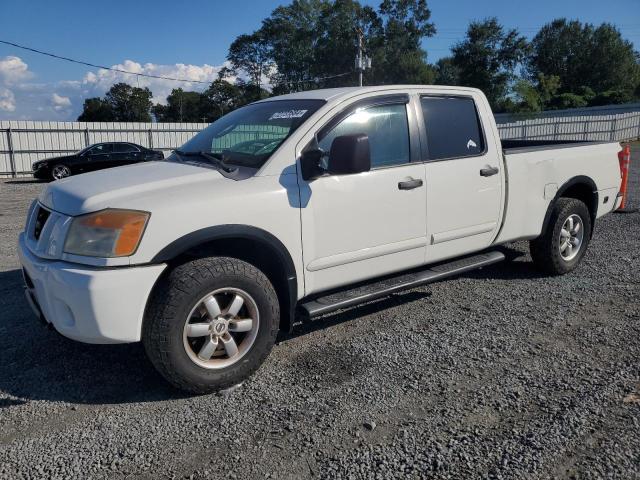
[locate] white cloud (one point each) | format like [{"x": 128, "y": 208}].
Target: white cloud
[
  {"x": 102, "y": 80},
  {"x": 59, "y": 102},
  {"x": 7, "y": 100},
  {"x": 13, "y": 70},
  {"x": 62, "y": 100}
]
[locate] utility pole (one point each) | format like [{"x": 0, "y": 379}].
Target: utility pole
[{"x": 362, "y": 62}]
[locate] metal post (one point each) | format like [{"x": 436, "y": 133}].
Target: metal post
[
  {"x": 150, "y": 139},
  {"x": 585, "y": 129},
  {"x": 555, "y": 130},
  {"x": 360, "y": 60},
  {"x": 86, "y": 137},
  {"x": 12, "y": 158},
  {"x": 612, "y": 134}
]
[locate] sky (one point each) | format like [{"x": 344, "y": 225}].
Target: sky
[{"x": 189, "y": 39}]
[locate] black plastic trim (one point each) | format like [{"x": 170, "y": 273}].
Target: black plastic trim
[
  {"x": 580, "y": 179},
  {"x": 350, "y": 296},
  {"x": 219, "y": 232}
]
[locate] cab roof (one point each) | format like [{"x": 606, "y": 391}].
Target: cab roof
[{"x": 331, "y": 94}]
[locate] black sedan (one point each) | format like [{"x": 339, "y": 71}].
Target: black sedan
[{"x": 94, "y": 157}]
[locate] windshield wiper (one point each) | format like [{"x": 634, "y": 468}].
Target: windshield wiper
[{"x": 211, "y": 157}]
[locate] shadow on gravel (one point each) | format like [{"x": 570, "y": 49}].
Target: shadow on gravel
[
  {"x": 26, "y": 181},
  {"x": 510, "y": 269},
  {"x": 330, "y": 320},
  {"x": 37, "y": 363}
]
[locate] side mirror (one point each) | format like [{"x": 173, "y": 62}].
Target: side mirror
[{"x": 349, "y": 154}]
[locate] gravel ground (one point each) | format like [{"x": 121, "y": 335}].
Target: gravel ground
[{"x": 502, "y": 373}]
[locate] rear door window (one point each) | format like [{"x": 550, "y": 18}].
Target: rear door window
[
  {"x": 453, "y": 127},
  {"x": 124, "y": 148},
  {"x": 101, "y": 149}
]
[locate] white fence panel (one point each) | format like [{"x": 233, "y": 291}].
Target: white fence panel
[
  {"x": 24, "y": 142},
  {"x": 607, "y": 123}
]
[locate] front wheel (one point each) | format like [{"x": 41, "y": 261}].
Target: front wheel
[
  {"x": 562, "y": 245},
  {"x": 211, "y": 323}
]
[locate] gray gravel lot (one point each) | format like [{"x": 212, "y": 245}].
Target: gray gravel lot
[{"x": 502, "y": 373}]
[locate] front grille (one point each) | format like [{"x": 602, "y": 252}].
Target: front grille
[{"x": 41, "y": 218}]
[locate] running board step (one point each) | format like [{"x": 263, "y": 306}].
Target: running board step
[{"x": 382, "y": 288}]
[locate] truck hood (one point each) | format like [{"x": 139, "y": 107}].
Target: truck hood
[{"x": 120, "y": 187}]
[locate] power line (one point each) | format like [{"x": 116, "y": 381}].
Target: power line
[{"x": 59, "y": 57}]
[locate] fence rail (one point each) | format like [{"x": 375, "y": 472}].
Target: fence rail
[
  {"x": 24, "y": 142},
  {"x": 607, "y": 123}
]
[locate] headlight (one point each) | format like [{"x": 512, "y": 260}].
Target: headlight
[{"x": 107, "y": 233}]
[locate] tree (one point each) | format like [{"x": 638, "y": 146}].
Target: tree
[
  {"x": 337, "y": 45},
  {"x": 122, "y": 103},
  {"x": 220, "y": 98},
  {"x": 96, "y": 110},
  {"x": 181, "y": 107},
  {"x": 129, "y": 104},
  {"x": 446, "y": 72},
  {"x": 593, "y": 63},
  {"x": 487, "y": 59},
  {"x": 406, "y": 24},
  {"x": 313, "y": 43},
  {"x": 250, "y": 54}
]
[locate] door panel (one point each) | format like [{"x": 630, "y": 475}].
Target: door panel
[
  {"x": 361, "y": 226},
  {"x": 368, "y": 224},
  {"x": 99, "y": 157},
  {"x": 464, "y": 178}
]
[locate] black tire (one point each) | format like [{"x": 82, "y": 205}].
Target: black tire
[
  {"x": 545, "y": 250},
  {"x": 172, "y": 301}
]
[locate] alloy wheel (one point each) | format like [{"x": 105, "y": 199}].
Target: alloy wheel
[
  {"x": 571, "y": 237},
  {"x": 221, "y": 328}
]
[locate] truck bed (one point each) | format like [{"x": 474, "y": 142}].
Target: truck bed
[{"x": 538, "y": 169}]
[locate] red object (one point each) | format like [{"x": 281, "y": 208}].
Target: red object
[{"x": 624, "y": 157}]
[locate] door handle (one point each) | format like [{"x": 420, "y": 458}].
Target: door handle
[
  {"x": 410, "y": 184},
  {"x": 489, "y": 171}
]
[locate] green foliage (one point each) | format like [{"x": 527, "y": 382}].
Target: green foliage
[
  {"x": 446, "y": 72},
  {"x": 250, "y": 54},
  {"x": 567, "y": 100},
  {"x": 589, "y": 62},
  {"x": 181, "y": 107},
  {"x": 96, "y": 110},
  {"x": 313, "y": 44},
  {"x": 487, "y": 58},
  {"x": 122, "y": 103}
]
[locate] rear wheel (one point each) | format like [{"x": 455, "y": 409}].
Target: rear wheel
[
  {"x": 562, "y": 245},
  {"x": 211, "y": 323},
  {"x": 60, "y": 171}
]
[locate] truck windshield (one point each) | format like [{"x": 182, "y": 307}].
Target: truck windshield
[{"x": 248, "y": 136}]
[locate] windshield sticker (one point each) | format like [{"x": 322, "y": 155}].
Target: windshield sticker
[{"x": 288, "y": 114}]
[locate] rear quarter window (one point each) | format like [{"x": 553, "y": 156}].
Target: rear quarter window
[{"x": 453, "y": 127}]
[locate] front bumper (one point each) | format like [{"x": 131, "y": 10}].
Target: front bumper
[{"x": 88, "y": 304}]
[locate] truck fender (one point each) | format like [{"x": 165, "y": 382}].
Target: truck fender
[
  {"x": 592, "y": 204},
  {"x": 268, "y": 243}
]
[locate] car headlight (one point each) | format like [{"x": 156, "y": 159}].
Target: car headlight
[{"x": 107, "y": 233}]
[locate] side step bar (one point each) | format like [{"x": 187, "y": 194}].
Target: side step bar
[{"x": 382, "y": 288}]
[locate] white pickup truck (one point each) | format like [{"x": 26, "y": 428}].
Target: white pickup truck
[{"x": 298, "y": 205}]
